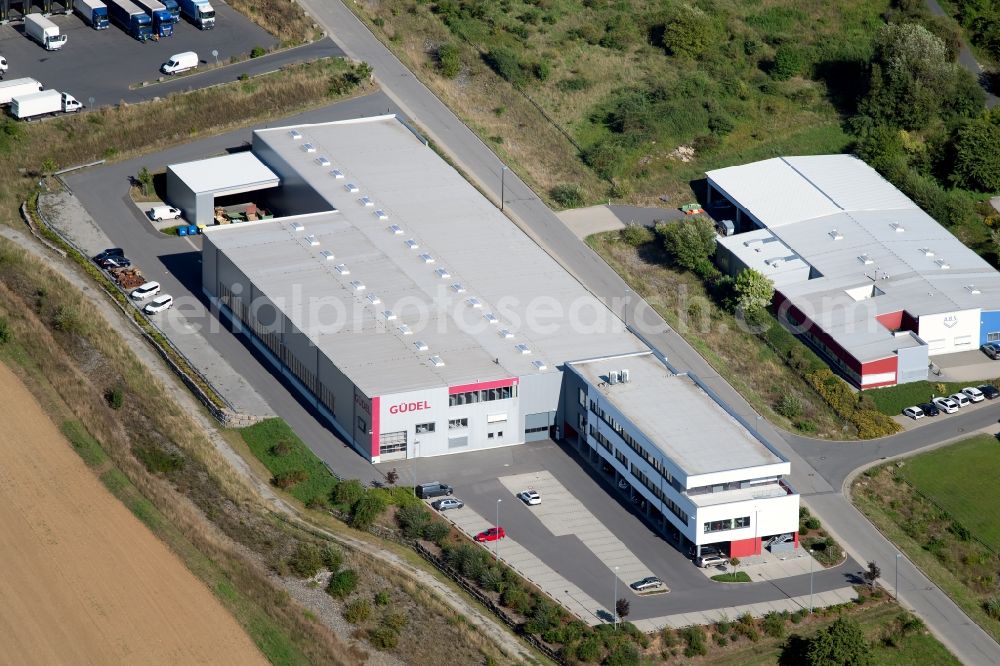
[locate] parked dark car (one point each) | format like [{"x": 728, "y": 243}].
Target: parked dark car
[
  {"x": 991, "y": 349},
  {"x": 433, "y": 489},
  {"x": 929, "y": 408},
  {"x": 110, "y": 252},
  {"x": 114, "y": 262},
  {"x": 989, "y": 391}
]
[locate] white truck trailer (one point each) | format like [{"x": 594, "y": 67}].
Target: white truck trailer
[
  {"x": 11, "y": 89},
  {"x": 47, "y": 102},
  {"x": 44, "y": 31}
]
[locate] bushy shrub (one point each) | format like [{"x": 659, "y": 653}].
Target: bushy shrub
[
  {"x": 574, "y": 84},
  {"x": 636, "y": 234},
  {"x": 449, "y": 60},
  {"x": 544, "y": 616},
  {"x": 413, "y": 519},
  {"x": 774, "y": 624},
  {"x": 626, "y": 654},
  {"x": 366, "y": 510},
  {"x": 342, "y": 583},
  {"x": 872, "y": 424},
  {"x": 517, "y": 599},
  {"x": 281, "y": 448},
  {"x": 383, "y": 638},
  {"x": 115, "y": 397},
  {"x": 382, "y": 598},
  {"x": 811, "y": 523},
  {"x": 395, "y": 621},
  {"x": 694, "y": 639},
  {"x": 357, "y": 611},
  {"x": 307, "y": 560},
  {"x": 789, "y": 61},
  {"x": 257, "y": 52},
  {"x": 567, "y": 195},
  {"x": 436, "y": 531},
  {"x": 289, "y": 478},
  {"x": 333, "y": 557},
  {"x": 5, "y": 332},
  {"x": 348, "y": 492},
  {"x": 992, "y": 607},
  {"x": 789, "y": 406},
  {"x": 589, "y": 650},
  {"x": 506, "y": 64}
]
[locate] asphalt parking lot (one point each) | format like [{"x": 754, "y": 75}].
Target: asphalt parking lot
[
  {"x": 102, "y": 64},
  {"x": 479, "y": 480}
]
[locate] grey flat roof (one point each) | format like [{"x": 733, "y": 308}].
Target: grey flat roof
[
  {"x": 236, "y": 172},
  {"x": 858, "y": 231},
  {"x": 510, "y": 277},
  {"x": 677, "y": 416}
]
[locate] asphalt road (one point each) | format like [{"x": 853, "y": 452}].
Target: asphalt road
[
  {"x": 102, "y": 64},
  {"x": 475, "y": 475},
  {"x": 965, "y": 57}
]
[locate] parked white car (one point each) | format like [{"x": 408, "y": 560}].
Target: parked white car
[
  {"x": 974, "y": 394},
  {"x": 180, "y": 62},
  {"x": 144, "y": 291},
  {"x": 159, "y": 304},
  {"x": 529, "y": 497},
  {"x": 157, "y": 213},
  {"x": 914, "y": 412},
  {"x": 960, "y": 399},
  {"x": 946, "y": 405},
  {"x": 3, "y": 66}
]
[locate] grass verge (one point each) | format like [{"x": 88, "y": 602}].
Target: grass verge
[
  {"x": 892, "y": 400},
  {"x": 733, "y": 577},
  {"x": 912, "y": 501},
  {"x": 277, "y": 446}
]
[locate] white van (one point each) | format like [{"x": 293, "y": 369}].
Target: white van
[{"x": 180, "y": 62}]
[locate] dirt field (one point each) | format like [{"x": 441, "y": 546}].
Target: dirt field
[{"x": 83, "y": 581}]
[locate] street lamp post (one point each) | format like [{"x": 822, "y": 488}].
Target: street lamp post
[
  {"x": 810, "y": 580},
  {"x": 413, "y": 467},
  {"x": 503, "y": 173},
  {"x": 496, "y": 542},
  {"x": 896, "y": 587},
  {"x": 614, "y": 601}
]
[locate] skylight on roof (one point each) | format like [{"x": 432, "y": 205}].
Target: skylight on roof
[
  {"x": 523, "y": 348},
  {"x": 505, "y": 333},
  {"x": 389, "y": 315},
  {"x": 366, "y": 201},
  {"x": 437, "y": 361},
  {"x": 396, "y": 229},
  {"x": 426, "y": 258},
  {"x": 443, "y": 273},
  {"x": 836, "y": 235},
  {"x": 866, "y": 259},
  {"x": 358, "y": 285},
  {"x": 412, "y": 244},
  {"x": 381, "y": 214},
  {"x": 337, "y": 173},
  {"x": 298, "y": 226},
  {"x": 352, "y": 188},
  {"x": 539, "y": 365},
  {"x": 312, "y": 240},
  {"x": 373, "y": 299},
  {"x": 405, "y": 330},
  {"x": 308, "y": 147},
  {"x": 972, "y": 289},
  {"x": 322, "y": 161},
  {"x": 342, "y": 269},
  {"x": 927, "y": 252},
  {"x": 942, "y": 264},
  {"x": 490, "y": 317},
  {"x": 421, "y": 345},
  {"x": 898, "y": 227},
  {"x": 458, "y": 288},
  {"x": 295, "y": 134},
  {"x": 326, "y": 254},
  {"x": 473, "y": 302}
]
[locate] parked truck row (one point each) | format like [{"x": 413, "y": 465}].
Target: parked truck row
[{"x": 28, "y": 99}]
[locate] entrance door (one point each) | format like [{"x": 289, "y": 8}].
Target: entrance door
[{"x": 392, "y": 446}]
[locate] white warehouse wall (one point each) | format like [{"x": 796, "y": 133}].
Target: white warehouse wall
[
  {"x": 950, "y": 332},
  {"x": 774, "y": 515}
]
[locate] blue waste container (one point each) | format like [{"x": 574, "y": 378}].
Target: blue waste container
[
  {"x": 182, "y": 231},
  {"x": 192, "y": 230}
]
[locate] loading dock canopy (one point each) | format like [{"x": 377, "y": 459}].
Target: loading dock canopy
[{"x": 225, "y": 175}]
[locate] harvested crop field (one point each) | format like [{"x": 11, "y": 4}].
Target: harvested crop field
[{"x": 84, "y": 581}]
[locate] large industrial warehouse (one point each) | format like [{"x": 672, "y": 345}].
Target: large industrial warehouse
[
  {"x": 420, "y": 321},
  {"x": 872, "y": 281}
]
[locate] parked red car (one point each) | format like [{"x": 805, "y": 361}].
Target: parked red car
[{"x": 492, "y": 534}]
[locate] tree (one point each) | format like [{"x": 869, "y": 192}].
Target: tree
[
  {"x": 911, "y": 76},
  {"x": 686, "y": 31},
  {"x": 872, "y": 575},
  {"x": 841, "y": 644},
  {"x": 145, "y": 181},
  {"x": 995, "y": 239},
  {"x": 754, "y": 291},
  {"x": 735, "y": 562},
  {"x": 689, "y": 242},
  {"x": 623, "y": 608},
  {"x": 392, "y": 476},
  {"x": 977, "y": 155}
]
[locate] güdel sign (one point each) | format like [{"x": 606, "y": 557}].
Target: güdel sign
[{"x": 404, "y": 407}]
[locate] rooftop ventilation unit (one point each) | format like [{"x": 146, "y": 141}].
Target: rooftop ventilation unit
[
  {"x": 437, "y": 361},
  {"x": 337, "y": 173},
  {"x": 523, "y": 348},
  {"x": 942, "y": 264},
  {"x": 295, "y": 134},
  {"x": 298, "y": 226},
  {"x": 613, "y": 377},
  {"x": 358, "y": 285},
  {"x": 421, "y": 345},
  {"x": 352, "y": 188},
  {"x": 774, "y": 263},
  {"x": 972, "y": 289},
  {"x": 505, "y": 333},
  {"x": 389, "y": 315},
  {"x": 312, "y": 240},
  {"x": 539, "y": 365},
  {"x": 866, "y": 259},
  {"x": 412, "y": 244},
  {"x": 473, "y": 302},
  {"x": 836, "y": 235},
  {"x": 898, "y": 227},
  {"x": 381, "y": 214},
  {"x": 426, "y": 258},
  {"x": 326, "y": 254},
  {"x": 322, "y": 161},
  {"x": 927, "y": 252},
  {"x": 491, "y": 318},
  {"x": 373, "y": 299},
  {"x": 625, "y": 375},
  {"x": 308, "y": 147},
  {"x": 342, "y": 269},
  {"x": 405, "y": 330},
  {"x": 458, "y": 288},
  {"x": 366, "y": 201},
  {"x": 396, "y": 229},
  {"x": 443, "y": 273}
]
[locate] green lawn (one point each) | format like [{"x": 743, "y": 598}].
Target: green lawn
[
  {"x": 962, "y": 480},
  {"x": 730, "y": 577},
  {"x": 277, "y": 446},
  {"x": 893, "y": 400}
]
